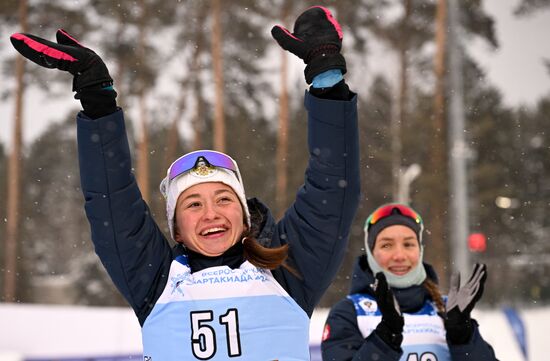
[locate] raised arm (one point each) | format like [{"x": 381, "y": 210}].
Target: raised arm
[
  {"x": 317, "y": 224},
  {"x": 127, "y": 240}
]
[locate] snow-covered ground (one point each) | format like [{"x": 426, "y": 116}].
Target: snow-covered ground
[{"x": 46, "y": 332}]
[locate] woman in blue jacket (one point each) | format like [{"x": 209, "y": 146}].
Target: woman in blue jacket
[
  {"x": 394, "y": 310},
  {"x": 237, "y": 284}
]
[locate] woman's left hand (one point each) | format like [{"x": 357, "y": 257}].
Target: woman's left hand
[
  {"x": 461, "y": 302},
  {"x": 317, "y": 40}
]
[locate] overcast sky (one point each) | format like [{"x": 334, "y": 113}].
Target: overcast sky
[{"x": 516, "y": 68}]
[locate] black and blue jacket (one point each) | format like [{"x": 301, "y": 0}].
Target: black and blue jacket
[
  {"x": 136, "y": 253},
  {"x": 344, "y": 341}
]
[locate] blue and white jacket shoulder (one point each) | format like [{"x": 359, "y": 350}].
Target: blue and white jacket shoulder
[{"x": 348, "y": 330}]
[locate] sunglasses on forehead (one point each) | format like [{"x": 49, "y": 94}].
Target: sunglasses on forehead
[
  {"x": 388, "y": 210},
  {"x": 213, "y": 158}
]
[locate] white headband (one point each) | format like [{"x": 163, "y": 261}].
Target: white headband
[{"x": 202, "y": 174}]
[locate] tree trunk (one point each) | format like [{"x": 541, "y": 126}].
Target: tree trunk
[
  {"x": 199, "y": 119},
  {"x": 173, "y": 135},
  {"x": 217, "y": 63},
  {"x": 282, "y": 140},
  {"x": 439, "y": 249},
  {"x": 199, "y": 116},
  {"x": 399, "y": 118},
  {"x": 282, "y": 136},
  {"x": 142, "y": 168},
  {"x": 121, "y": 65},
  {"x": 14, "y": 174}
]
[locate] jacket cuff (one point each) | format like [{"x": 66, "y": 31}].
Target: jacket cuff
[{"x": 460, "y": 352}]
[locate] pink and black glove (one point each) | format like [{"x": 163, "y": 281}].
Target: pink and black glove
[
  {"x": 67, "y": 54},
  {"x": 317, "y": 40}
]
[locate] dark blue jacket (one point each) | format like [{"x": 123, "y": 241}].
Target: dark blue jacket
[
  {"x": 345, "y": 341},
  {"x": 136, "y": 253}
]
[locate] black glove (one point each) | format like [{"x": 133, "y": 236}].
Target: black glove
[
  {"x": 461, "y": 302},
  {"x": 390, "y": 329},
  {"x": 67, "y": 54},
  {"x": 317, "y": 40}
]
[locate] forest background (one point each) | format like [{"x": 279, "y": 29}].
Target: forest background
[{"x": 206, "y": 74}]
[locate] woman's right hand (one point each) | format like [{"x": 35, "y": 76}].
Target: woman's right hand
[
  {"x": 68, "y": 55},
  {"x": 390, "y": 329}
]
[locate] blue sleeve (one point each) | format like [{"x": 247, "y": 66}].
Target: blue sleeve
[
  {"x": 475, "y": 350},
  {"x": 327, "y": 79},
  {"x": 343, "y": 340},
  {"x": 130, "y": 245},
  {"x": 317, "y": 224}
]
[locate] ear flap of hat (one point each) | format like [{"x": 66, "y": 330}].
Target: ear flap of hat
[{"x": 164, "y": 187}]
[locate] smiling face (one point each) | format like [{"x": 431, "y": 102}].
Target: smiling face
[
  {"x": 209, "y": 218},
  {"x": 396, "y": 249}
]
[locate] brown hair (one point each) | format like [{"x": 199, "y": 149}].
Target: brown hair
[
  {"x": 262, "y": 257},
  {"x": 265, "y": 257},
  {"x": 435, "y": 294}
]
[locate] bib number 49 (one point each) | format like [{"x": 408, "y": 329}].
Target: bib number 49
[{"x": 203, "y": 336}]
